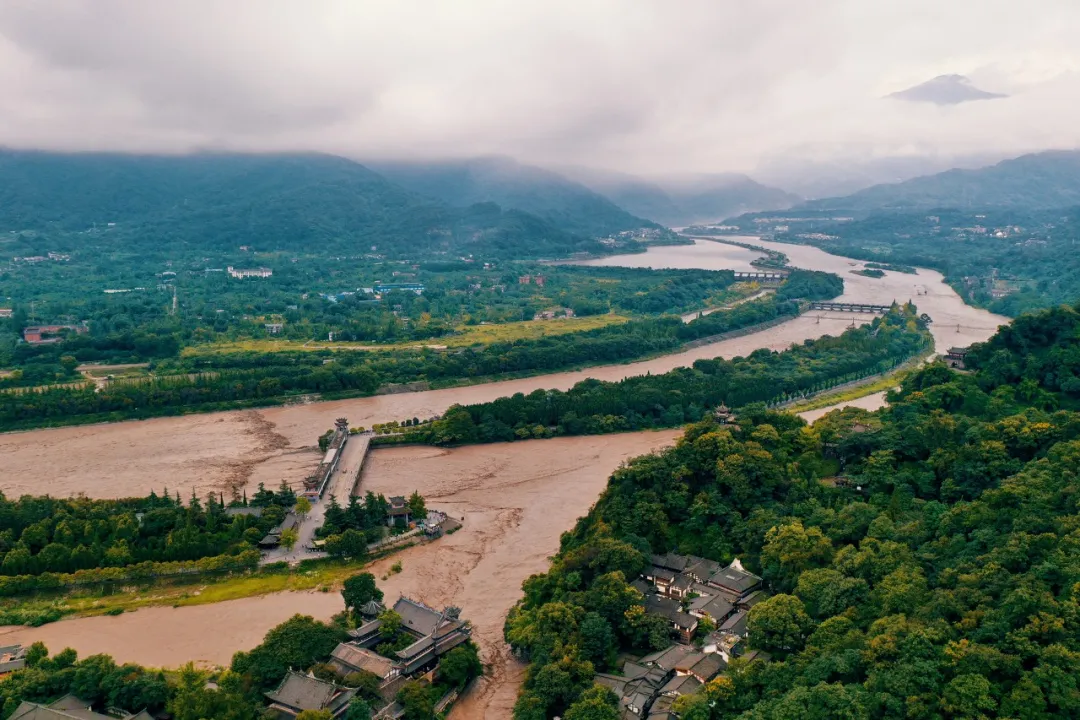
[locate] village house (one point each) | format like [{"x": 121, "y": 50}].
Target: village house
[
  {"x": 412, "y": 287},
  {"x": 436, "y": 633},
  {"x": 955, "y": 356},
  {"x": 12, "y": 658},
  {"x": 41, "y": 334},
  {"x": 399, "y": 508},
  {"x": 554, "y": 313},
  {"x": 68, "y": 707},
  {"x": 348, "y": 658},
  {"x": 273, "y": 538},
  {"x": 636, "y": 687},
  {"x": 684, "y": 589},
  {"x": 298, "y": 693},
  {"x": 241, "y": 273}
]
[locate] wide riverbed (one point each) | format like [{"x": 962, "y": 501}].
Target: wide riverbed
[{"x": 517, "y": 499}]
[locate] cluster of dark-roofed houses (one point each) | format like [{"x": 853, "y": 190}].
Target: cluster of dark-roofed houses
[
  {"x": 684, "y": 590},
  {"x": 436, "y": 633},
  {"x": 69, "y": 707}
]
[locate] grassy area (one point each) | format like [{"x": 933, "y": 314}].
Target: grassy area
[
  {"x": 466, "y": 335},
  {"x": 135, "y": 370},
  {"x": 874, "y": 385},
  {"x": 529, "y": 329},
  {"x": 325, "y": 575}
]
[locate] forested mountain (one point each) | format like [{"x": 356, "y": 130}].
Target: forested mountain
[
  {"x": 684, "y": 199},
  {"x": 562, "y": 202},
  {"x": 827, "y": 178},
  {"x": 271, "y": 202},
  {"x": 919, "y": 561},
  {"x": 1031, "y": 182}
]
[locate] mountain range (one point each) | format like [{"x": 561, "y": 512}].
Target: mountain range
[
  {"x": 562, "y": 202},
  {"x": 945, "y": 90},
  {"x": 676, "y": 200},
  {"x": 1037, "y": 181},
  {"x": 270, "y": 201}
]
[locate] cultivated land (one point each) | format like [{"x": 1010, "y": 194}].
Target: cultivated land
[{"x": 516, "y": 499}]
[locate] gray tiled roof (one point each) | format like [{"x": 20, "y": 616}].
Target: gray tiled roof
[
  {"x": 671, "y": 561},
  {"x": 308, "y": 693},
  {"x": 738, "y": 580},
  {"x": 681, "y": 685},
  {"x": 354, "y": 657},
  {"x": 416, "y": 616},
  {"x": 668, "y": 658},
  {"x": 735, "y": 624},
  {"x": 68, "y": 707}
]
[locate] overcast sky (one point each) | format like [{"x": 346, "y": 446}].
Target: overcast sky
[{"x": 638, "y": 85}]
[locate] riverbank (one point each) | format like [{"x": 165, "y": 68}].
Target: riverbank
[{"x": 517, "y": 499}]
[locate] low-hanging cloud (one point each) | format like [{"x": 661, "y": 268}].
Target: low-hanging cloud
[{"x": 642, "y": 86}]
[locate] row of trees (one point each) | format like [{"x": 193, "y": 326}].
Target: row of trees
[
  {"x": 684, "y": 394},
  {"x": 58, "y": 536},
  {"x": 934, "y": 578},
  {"x": 222, "y": 381}
]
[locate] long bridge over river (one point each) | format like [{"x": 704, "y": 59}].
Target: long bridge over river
[{"x": 850, "y": 307}]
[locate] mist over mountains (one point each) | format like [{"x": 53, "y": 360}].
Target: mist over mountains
[{"x": 1036, "y": 181}]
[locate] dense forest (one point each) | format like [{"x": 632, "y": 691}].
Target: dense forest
[
  {"x": 548, "y": 195},
  {"x": 920, "y": 559},
  {"x": 240, "y": 379},
  {"x": 164, "y": 205},
  {"x": 685, "y": 394}
]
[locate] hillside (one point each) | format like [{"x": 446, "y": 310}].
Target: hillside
[
  {"x": 1032, "y": 182},
  {"x": 915, "y": 562},
  {"x": 272, "y": 202},
  {"x": 568, "y": 205},
  {"x": 684, "y": 199}
]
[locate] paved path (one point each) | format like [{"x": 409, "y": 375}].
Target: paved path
[{"x": 340, "y": 487}]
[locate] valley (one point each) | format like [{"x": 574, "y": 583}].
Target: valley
[{"x": 516, "y": 499}]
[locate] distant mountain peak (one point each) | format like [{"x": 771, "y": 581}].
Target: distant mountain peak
[{"x": 945, "y": 90}]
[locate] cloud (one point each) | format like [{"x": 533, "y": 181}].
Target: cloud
[{"x": 693, "y": 85}]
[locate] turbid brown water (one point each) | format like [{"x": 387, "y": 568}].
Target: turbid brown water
[
  {"x": 237, "y": 449},
  {"x": 516, "y": 498}
]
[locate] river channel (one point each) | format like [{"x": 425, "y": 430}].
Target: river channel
[{"x": 516, "y": 498}]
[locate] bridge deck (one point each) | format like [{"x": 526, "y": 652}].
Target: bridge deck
[{"x": 850, "y": 307}]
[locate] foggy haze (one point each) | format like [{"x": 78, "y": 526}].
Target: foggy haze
[{"x": 696, "y": 85}]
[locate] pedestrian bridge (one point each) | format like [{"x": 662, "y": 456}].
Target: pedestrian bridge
[{"x": 850, "y": 307}]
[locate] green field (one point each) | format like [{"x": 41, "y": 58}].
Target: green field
[{"x": 465, "y": 336}]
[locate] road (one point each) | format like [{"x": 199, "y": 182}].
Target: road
[{"x": 340, "y": 487}]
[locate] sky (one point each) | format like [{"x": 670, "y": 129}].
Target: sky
[{"x": 635, "y": 85}]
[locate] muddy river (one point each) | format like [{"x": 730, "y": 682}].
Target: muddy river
[{"x": 516, "y": 499}]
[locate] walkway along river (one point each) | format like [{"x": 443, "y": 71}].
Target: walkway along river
[{"x": 516, "y": 498}]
